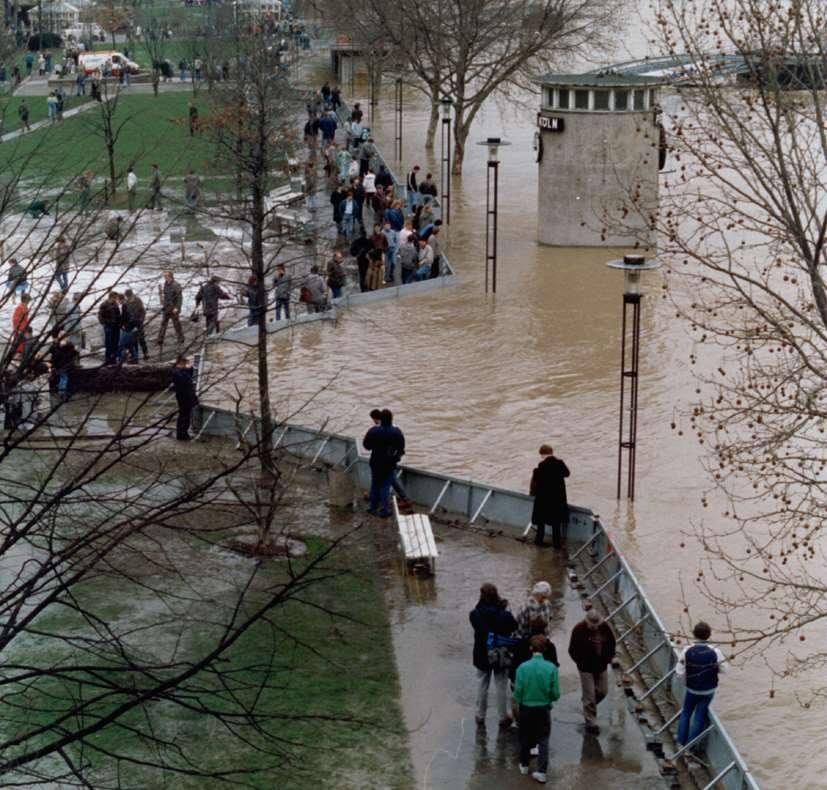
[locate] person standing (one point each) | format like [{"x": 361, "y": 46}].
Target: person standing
[
  {"x": 548, "y": 487},
  {"x": 134, "y": 317},
  {"x": 131, "y": 188},
  {"x": 435, "y": 243},
  {"x": 336, "y": 276},
  {"x": 537, "y": 606},
  {"x": 171, "y": 301},
  {"x": 251, "y": 297},
  {"x": 490, "y": 616},
  {"x": 391, "y": 243},
  {"x": 387, "y": 446},
  {"x": 23, "y": 113},
  {"x": 700, "y": 664},
  {"x": 426, "y": 261},
  {"x": 193, "y": 118},
  {"x": 63, "y": 250},
  {"x": 592, "y": 647},
  {"x": 192, "y": 190},
  {"x": 74, "y": 317},
  {"x": 348, "y": 211},
  {"x": 283, "y": 284},
  {"x": 17, "y": 282},
  {"x": 184, "y": 385},
  {"x": 109, "y": 317},
  {"x": 64, "y": 357},
  {"x": 155, "y": 188},
  {"x": 210, "y": 293},
  {"x": 359, "y": 250},
  {"x": 412, "y": 187},
  {"x": 20, "y": 322},
  {"x": 317, "y": 290},
  {"x": 408, "y": 258},
  {"x": 536, "y": 689}
]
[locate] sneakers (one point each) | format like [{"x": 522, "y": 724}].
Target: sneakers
[
  {"x": 524, "y": 769},
  {"x": 539, "y": 776}
]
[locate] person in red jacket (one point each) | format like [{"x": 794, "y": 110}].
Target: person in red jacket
[
  {"x": 20, "y": 321},
  {"x": 592, "y": 647}
]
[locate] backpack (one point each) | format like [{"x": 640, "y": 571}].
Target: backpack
[
  {"x": 701, "y": 668},
  {"x": 500, "y": 650}
]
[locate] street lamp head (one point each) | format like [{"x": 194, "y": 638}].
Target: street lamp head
[
  {"x": 633, "y": 267},
  {"x": 493, "y": 144},
  {"x": 446, "y": 103}
]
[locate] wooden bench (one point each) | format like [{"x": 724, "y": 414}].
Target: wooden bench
[{"x": 416, "y": 539}]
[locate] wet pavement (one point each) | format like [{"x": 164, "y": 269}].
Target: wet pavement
[{"x": 433, "y": 641}]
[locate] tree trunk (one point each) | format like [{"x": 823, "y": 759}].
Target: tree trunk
[
  {"x": 265, "y": 452},
  {"x": 460, "y": 139},
  {"x": 155, "y": 81},
  {"x": 433, "y": 122},
  {"x": 110, "y": 150}
]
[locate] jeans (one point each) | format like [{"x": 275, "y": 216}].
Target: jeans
[
  {"x": 390, "y": 259},
  {"x": 336, "y": 291},
  {"x": 127, "y": 344},
  {"x": 595, "y": 686},
  {"x": 697, "y": 704},
  {"x": 500, "y": 689},
  {"x": 182, "y": 426},
  {"x": 282, "y": 303},
  {"x": 111, "y": 335},
  {"x": 347, "y": 226},
  {"x": 397, "y": 486},
  {"x": 380, "y": 490},
  {"x": 19, "y": 289},
  {"x": 63, "y": 384},
  {"x": 62, "y": 280},
  {"x": 535, "y": 729},
  {"x": 408, "y": 276}
]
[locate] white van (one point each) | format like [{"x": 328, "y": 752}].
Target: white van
[{"x": 90, "y": 62}]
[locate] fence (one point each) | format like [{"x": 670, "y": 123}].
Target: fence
[{"x": 598, "y": 568}]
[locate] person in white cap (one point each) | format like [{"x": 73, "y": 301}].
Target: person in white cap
[{"x": 537, "y": 606}]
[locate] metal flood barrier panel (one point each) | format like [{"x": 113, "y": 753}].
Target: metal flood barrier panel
[{"x": 605, "y": 578}]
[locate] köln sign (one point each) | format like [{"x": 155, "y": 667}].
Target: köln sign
[{"x": 548, "y": 123}]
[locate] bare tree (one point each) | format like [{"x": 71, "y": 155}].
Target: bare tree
[
  {"x": 472, "y": 49},
  {"x": 154, "y": 40},
  {"x": 108, "y": 124},
  {"x": 252, "y": 120},
  {"x": 743, "y": 226}
]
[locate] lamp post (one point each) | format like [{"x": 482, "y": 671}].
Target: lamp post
[
  {"x": 632, "y": 267},
  {"x": 397, "y": 117},
  {"x": 492, "y": 178},
  {"x": 446, "y": 104}
]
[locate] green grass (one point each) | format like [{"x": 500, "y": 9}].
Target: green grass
[
  {"x": 38, "y": 109},
  {"x": 156, "y": 131},
  {"x": 350, "y": 671}
]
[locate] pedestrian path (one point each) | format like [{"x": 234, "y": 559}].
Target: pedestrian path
[{"x": 13, "y": 135}]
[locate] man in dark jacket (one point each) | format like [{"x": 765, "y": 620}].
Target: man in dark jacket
[
  {"x": 592, "y": 648},
  {"x": 548, "y": 487},
  {"x": 134, "y": 316},
  {"x": 337, "y": 199},
  {"x": 490, "y": 616},
  {"x": 336, "y": 276},
  {"x": 171, "y": 301},
  {"x": 328, "y": 125},
  {"x": 359, "y": 250},
  {"x": 182, "y": 381},
  {"x": 109, "y": 317},
  {"x": 209, "y": 294},
  {"x": 387, "y": 446}
]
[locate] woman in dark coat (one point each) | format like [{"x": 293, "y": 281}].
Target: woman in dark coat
[
  {"x": 490, "y": 616},
  {"x": 548, "y": 487}
]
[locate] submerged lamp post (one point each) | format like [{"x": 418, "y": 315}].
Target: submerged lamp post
[
  {"x": 493, "y": 145},
  {"x": 445, "y": 165},
  {"x": 397, "y": 117},
  {"x": 632, "y": 267}
]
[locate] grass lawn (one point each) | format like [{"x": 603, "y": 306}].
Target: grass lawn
[
  {"x": 38, "y": 109},
  {"x": 156, "y": 130},
  {"x": 322, "y": 665}
]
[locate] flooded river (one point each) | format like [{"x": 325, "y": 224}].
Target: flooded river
[{"x": 479, "y": 382}]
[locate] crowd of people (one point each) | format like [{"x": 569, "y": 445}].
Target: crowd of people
[
  {"x": 517, "y": 652},
  {"x": 393, "y": 237}
]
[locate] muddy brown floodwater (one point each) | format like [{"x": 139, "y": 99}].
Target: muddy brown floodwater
[{"x": 479, "y": 382}]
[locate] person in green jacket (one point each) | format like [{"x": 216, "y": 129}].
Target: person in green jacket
[{"x": 536, "y": 687}]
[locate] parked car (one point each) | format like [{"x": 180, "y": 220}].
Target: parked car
[{"x": 91, "y": 62}]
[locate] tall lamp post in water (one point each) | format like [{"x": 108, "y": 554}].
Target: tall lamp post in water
[
  {"x": 446, "y": 104},
  {"x": 397, "y": 116},
  {"x": 632, "y": 267},
  {"x": 491, "y": 202}
]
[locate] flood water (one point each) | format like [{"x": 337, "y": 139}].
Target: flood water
[{"x": 479, "y": 382}]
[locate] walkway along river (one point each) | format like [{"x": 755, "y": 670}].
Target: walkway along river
[{"x": 479, "y": 383}]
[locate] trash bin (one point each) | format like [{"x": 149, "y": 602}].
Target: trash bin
[{"x": 340, "y": 488}]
